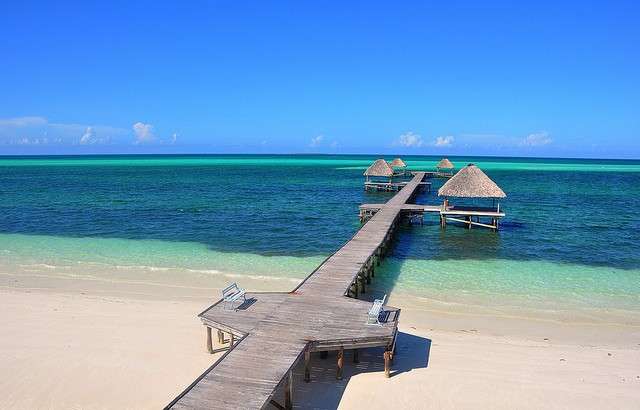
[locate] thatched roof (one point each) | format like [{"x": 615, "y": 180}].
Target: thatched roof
[
  {"x": 379, "y": 168},
  {"x": 444, "y": 164},
  {"x": 398, "y": 162},
  {"x": 471, "y": 182}
]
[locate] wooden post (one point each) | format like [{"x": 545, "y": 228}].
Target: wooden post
[
  {"x": 220, "y": 337},
  {"x": 288, "y": 392},
  {"x": 209, "y": 343},
  {"x": 307, "y": 364},
  {"x": 356, "y": 358},
  {"x": 355, "y": 288},
  {"x": 232, "y": 341},
  {"x": 340, "y": 363},
  {"x": 387, "y": 363}
]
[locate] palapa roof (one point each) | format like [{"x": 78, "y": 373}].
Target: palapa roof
[
  {"x": 444, "y": 164},
  {"x": 379, "y": 168},
  {"x": 398, "y": 162},
  {"x": 471, "y": 182}
]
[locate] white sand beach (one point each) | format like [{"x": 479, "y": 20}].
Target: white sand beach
[{"x": 101, "y": 345}]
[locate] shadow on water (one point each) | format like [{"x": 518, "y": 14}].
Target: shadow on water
[{"x": 325, "y": 392}]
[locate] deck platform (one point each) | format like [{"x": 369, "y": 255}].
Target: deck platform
[
  {"x": 268, "y": 334},
  {"x": 392, "y": 186},
  {"x": 463, "y": 214}
]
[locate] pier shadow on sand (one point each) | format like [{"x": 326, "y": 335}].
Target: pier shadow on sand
[{"x": 325, "y": 392}]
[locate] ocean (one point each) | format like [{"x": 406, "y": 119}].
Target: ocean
[{"x": 568, "y": 249}]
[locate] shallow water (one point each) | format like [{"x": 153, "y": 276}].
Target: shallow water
[{"x": 569, "y": 241}]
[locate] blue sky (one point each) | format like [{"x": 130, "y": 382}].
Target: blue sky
[{"x": 475, "y": 78}]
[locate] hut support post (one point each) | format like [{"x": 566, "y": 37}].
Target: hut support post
[{"x": 356, "y": 358}]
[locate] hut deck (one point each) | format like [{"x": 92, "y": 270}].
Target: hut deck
[
  {"x": 275, "y": 329},
  {"x": 473, "y": 211},
  {"x": 368, "y": 210},
  {"x": 405, "y": 207},
  {"x": 392, "y": 186}
]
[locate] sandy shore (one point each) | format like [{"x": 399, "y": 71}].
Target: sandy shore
[{"x": 99, "y": 345}]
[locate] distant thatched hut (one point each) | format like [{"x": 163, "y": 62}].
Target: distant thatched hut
[
  {"x": 380, "y": 168},
  {"x": 398, "y": 163},
  {"x": 399, "y": 168},
  {"x": 445, "y": 167},
  {"x": 471, "y": 182}
]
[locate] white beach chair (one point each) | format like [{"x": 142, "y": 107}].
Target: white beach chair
[
  {"x": 376, "y": 309},
  {"x": 232, "y": 293}
]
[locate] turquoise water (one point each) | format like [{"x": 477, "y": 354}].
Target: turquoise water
[{"x": 570, "y": 238}]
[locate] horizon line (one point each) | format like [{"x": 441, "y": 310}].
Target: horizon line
[{"x": 3, "y": 156}]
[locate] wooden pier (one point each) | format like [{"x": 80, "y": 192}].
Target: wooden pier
[{"x": 266, "y": 336}]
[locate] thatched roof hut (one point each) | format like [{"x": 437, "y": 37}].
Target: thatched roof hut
[
  {"x": 471, "y": 182},
  {"x": 398, "y": 162},
  {"x": 444, "y": 164},
  {"x": 379, "y": 168}
]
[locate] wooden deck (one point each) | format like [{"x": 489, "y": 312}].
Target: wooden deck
[
  {"x": 269, "y": 333},
  {"x": 392, "y": 186},
  {"x": 470, "y": 216}
]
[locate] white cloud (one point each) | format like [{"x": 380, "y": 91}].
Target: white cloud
[
  {"x": 409, "y": 139},
  {"x": 143, "y": 132},
  {"x": 316, "y": 141},
  {"x": 30, "y": 141},
  {"x": 38, "y": 131},
  {"x": 443, "y": 141},
  {"x": 88, "y": 136},
  {"x": 22, "y": 122},
  {"x": 537, "y": 139},
  {"x": 173, "y": 139}
]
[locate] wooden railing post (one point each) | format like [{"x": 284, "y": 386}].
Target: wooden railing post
[
  {"x": 307, "y": 370},
  {"x": 340, "y": 363},
  {"x": 387, "y": 363},
  {"x": 209, "y": 342},
  {"x": 288, "y": 392}
]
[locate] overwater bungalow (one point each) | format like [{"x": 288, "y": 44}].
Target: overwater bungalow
[
  {"x": 472, "y": 184},
  {"x": 445, "y": 168},
  {"x": 379, "y": 176},
  {"x": 399, "y": 167}
]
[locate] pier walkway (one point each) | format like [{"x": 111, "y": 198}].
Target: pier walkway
[{"x": 269, "y": 333}]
